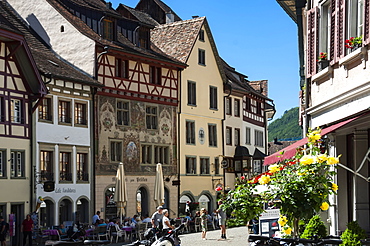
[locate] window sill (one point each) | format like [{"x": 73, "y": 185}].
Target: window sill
[
  {"x": 83, "y": 126},
  {"x": 64, "y": 123},
  {"x": 353, "y": 56},
  {"x": 46, "y": 121},
  {"x": 65, "y": 181},
  {"x": 322, "y": 74},
  {"x": 191, "y": 174},
  {"x": 82, "y": 182}
]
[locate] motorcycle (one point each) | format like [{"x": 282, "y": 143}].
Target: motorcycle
[
  {"x": 154, "y": 237},
  {"x": 171, "y": 238}
]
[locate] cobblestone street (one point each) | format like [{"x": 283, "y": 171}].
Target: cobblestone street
[{"x": 235, "y": 236}]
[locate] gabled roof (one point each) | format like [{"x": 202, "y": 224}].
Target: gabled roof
[
  {"x": 142, "y": 17},
  {"x": 122, "y": 44},
  {"x": 164, "y": 7},
  {"x": 96, "y": 5},
  {"x": 177, "y": 39},
  {"x": 47, "y": 62}
]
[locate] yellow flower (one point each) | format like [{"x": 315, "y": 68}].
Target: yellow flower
[
  {"x": 287, "y": 231},
  {"x": 312, "y": 137},
  {"x": 334, "y": 187},
  {"x": 324, "y": 206},
  {"x": 322, "y": 158},
  {"x": 274, "y": 168},
  {"x": 301, "y": 174},
  {"x": 332, "y": 160},
  {"x": 307, "y": 159},
  {"x": 264, "y": 179},
  {"x": 282, "y": 220}
]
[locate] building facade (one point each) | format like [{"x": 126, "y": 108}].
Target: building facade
[
  {"x": 135, "y": 111},
  {"x": 335, "y": 96},
  {"x": 21, "y": 88},
  {"x": 200, "y": 145},
  {"x": 246, "y": 113}
]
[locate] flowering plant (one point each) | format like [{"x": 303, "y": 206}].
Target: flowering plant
[
  {"x": 353, "y": 41},
  {"x": 304, "y": 183},
  {"x": 323, "y": 56},
  {"x": 300, "y": 187}
]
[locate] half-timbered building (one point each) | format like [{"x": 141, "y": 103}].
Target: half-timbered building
[
  {"x": 200, "y": 110},
  {"x": 334, "y": 37},
  {"x": 21, "y": 88},
  {"x": 247, "y": 109},
  {"x": 62, "y": 153},
  {"x": 136, "y": 110}
]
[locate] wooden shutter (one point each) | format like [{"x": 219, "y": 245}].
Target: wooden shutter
[
  {"x": 333, "y": 31},
  {"x": 341, "y": 33},
  {"x": 312, "y": 40},
  {"x": 366, "y": 25}
]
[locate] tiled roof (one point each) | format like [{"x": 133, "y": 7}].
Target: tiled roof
[
  {"x": 177, "y": 39},
  {"x": 239, "y": 81},
  {"x": 140, "y": 16},
  {"x": 46, "y": 60},
  {"x": 166, "y": 8},
  {"x": 123, "y": 44},
  {"x": 97, "y": 5},
  {"x": 260, "y": 86}
]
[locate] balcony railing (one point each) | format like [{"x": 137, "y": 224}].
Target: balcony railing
[
  {"x": 47, "y": 176},
  {"x": 65, "y": 176},
  {"x": 82, "y": 176}
]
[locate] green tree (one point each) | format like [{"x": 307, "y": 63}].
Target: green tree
[{"x": 286, "y": 126}]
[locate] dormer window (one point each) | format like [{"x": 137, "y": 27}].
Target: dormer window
[
  {"x": 143, "y": 38},
  {"x": 108, "y": 30}
]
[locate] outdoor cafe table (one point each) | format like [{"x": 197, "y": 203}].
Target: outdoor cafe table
[{"x": 128, "y": 230}]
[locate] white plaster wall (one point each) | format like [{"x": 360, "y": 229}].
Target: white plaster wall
[
  {"x": 343, "y": 94},
  {"x": 73, "y": 46}
]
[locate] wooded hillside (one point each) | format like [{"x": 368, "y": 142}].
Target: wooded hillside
[{"x": 286, "y": 127}]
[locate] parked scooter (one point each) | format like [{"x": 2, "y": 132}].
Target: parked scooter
[{"x": 171, "y": 238}]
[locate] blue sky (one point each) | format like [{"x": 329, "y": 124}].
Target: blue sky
[{"x": 257, "y": 38}]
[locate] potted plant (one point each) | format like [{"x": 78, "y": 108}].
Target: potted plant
[
  {"x": 353, "y": 43},
  {"x": 353, "y": 234},
  {"x": 323, "y": 61}
]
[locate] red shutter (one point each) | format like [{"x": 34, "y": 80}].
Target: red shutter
[
  {"x": 366, "y": 25},
  {"x": 312, "y": 41},
  {"x": 341, "y": 28},
  {"x": 333, "y": 32}
]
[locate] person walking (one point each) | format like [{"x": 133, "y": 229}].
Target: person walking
[
  {"x": 27, "y": 227},
  {"x": 222, "y": 220},
  {"x": 203, "y": 222},
  {"x": 166, "y": 222},
  {"x": 3, "y": 231},
  {"x": 157, "y": 218}
]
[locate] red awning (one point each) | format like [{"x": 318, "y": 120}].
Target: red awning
[{"x": 290, "y": 150}]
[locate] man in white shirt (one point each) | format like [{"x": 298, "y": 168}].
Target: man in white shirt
[{"x": 96, "y": 218}]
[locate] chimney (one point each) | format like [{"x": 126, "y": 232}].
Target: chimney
[{"x": 195, "y": 16}]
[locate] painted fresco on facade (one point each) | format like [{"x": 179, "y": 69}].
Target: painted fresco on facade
[{"x": 132, "y": 137}]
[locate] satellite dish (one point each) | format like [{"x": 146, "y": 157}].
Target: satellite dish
[{"x": 224, "y": 164}]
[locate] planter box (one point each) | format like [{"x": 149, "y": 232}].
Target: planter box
[{"x": 322, "y": 64}]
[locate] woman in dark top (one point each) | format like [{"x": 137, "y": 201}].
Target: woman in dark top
[{"x": 27, "y": 226}]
